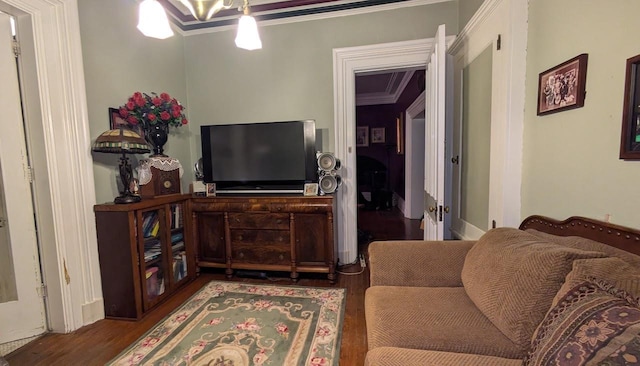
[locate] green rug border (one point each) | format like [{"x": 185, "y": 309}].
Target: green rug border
[{"x": 338, "y": 339}]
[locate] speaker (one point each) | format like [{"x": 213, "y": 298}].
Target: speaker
[
  {"x": 328, "y": 178},
  {"x": 327, "y": 162},
  {"x": 329, "y": 183}
]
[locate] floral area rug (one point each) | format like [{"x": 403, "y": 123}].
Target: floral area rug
[{"x": 238, "y": 324}]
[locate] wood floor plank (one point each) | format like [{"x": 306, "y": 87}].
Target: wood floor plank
[{"x": 98, "y": 343}]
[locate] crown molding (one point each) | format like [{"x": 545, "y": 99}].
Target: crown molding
[{"x": 227, "y": 20}]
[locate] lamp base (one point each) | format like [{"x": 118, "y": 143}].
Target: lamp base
[{"x": 127, "y": 198}]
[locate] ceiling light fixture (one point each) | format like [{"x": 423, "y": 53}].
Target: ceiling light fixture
[
  {"x": 248, "y": 36},
  {"x": 203, "y": 10},
  {"x": 153, "y": 21}
]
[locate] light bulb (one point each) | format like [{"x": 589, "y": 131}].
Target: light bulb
[
  {"x": 248, "y": 37},
  {"x": 153, "y": 21}
]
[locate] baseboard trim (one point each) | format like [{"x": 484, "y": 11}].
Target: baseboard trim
[{"x": 93, "y": 311}]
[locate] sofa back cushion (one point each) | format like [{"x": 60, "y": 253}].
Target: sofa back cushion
[
  {"x": 512, "y": 277},
  {"x": 591, "y": 245}
]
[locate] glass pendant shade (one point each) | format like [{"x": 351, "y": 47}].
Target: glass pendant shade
[
  {"x": 248, "y": 37},
  {"x": 203, "y": 10},
  {"x": 153, "y": 21}
]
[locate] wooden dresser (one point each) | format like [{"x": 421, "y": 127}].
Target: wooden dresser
[{"x": 267, "y": 233}]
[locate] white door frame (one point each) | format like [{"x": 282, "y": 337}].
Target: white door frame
[
  {"x": 413, "y": 185},
  {"x": 507, "y": 19},
  {"x": 69, "y": 255},
  {"x": 347, "y": 62}
]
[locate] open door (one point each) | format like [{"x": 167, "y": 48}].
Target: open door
[
  {"x": 22, "y": 313},
  {"x": 437, "y": 170}
]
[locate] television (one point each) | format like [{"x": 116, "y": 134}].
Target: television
[{"x": 268, "y": 157}]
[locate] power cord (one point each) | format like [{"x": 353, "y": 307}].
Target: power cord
[{"x": 363, "y": 264}]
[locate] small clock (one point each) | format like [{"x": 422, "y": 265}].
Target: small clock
[{"x": 162, "y": 183}]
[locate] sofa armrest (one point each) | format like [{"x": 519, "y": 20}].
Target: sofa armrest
[{"x": 417, "y": 263}]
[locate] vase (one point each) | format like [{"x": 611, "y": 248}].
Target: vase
[{"x": 157, "y": 136}]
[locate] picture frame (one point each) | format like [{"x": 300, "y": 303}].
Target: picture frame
[
  {"x": 362, "y": 136},
  {"x": 378, "y": 135},
  {"x": 211, "y": 189},
  {"x": 115, "y": 121},
  {"x": 562, "y": 87},
  {"x": 310, "y": 189},
  {"x": 400, "y": 134},
  {"x": 630, "y": 131}
]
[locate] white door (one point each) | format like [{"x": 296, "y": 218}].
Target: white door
[
  {"x": 22, "y": 314},
  {"x": 436, "y": 129}
]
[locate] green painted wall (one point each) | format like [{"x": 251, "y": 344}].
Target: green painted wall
[
  {"x": 476, "y": 140},
  {"x": 118, "y": 61},
  {"x": 466, "y": 9},
  {"x": 570, "y": 164},
  {"x": 292, "y": 76}
]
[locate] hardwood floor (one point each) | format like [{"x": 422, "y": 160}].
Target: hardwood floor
[{"x": 97, "y": 343}]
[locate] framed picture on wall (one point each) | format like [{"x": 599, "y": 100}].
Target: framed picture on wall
[
  {"x": 362, "y": 136},
  {"x": 630, "y": 140},
  {"x": 562, "y": 87},
  {"x": 400, "y": 134},
  {"x": 115, "y": 122},
  {"x": 377, "y": 135}
]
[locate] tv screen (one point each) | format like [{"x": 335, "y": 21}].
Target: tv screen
[{"x": 259, "y": 156}]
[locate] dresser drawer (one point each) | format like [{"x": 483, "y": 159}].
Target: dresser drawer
[
  {"x": 260, "y": 237},
  {"x": 261, "y": 254},
  {"x": 259, "y": 221}
]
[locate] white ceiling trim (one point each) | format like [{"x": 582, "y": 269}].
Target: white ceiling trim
[
  {"x": 386, "y": 97},
  {"x": 303, "y": 18}
]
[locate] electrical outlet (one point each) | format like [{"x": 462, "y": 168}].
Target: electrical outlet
[{"x": 363, "y": 263}]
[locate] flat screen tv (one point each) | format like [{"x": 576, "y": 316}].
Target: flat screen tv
[{"x": 269, "y": 157}]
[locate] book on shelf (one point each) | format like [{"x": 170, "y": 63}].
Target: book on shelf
[
  {"x": 152, "y": 249},
  {"x": 176, "y": 237},
  {"x": 177, "y": 246},
  {"x": 176, "y": 216},
  {"x": 179, "y": 265}
]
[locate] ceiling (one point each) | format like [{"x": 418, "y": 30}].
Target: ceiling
[
  {"x": 281, "y": 11},
  {"x": 381, "y": 87}
]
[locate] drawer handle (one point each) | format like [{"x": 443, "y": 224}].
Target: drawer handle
[
  {"x": 241, "y": 255},
  {"x": 279, "y": 209},
  {"x": 237, "y": 220},
  {"x": 280, "y": 238},
  {"x": 239, "y": 237},
  {"x": 278, "y": 221},
  {"x": 281, "y": 257}
]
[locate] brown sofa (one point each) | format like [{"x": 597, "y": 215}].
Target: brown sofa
[{"x": 479, "y": 302}]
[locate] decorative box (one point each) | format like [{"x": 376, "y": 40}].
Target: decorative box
[{"x": 159, "y": 175}]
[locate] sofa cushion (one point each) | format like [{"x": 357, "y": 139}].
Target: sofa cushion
[
  {"x": 593, "y": 323},
  {"x": 394, "y": 356},
  {"x": 612, "y": 269},
  {"x": 432, "y": 318},
  {"x": 512, "y": 277},
  {"x": 590, "y": 245}
]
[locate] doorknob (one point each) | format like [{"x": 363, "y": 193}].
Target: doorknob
[
  {"x": 431, "y": 208},
  {"x": 446, "y": 209}
]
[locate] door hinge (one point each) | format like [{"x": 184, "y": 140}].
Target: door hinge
[
  {"x": 455, "y": 159},
  {"x": 493, "y": 224},
  {"x": 30, "y": 174},
  {"x": 42, "y": 290},
  {"x": 499, "y": 42},
  {"x": 16, "y": 48}
]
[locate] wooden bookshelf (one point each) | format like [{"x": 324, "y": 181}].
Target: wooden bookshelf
[{"x": 146, "y": 253}]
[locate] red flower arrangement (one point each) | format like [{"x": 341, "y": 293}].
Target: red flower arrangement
[{"x": 147, "y": 110}]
